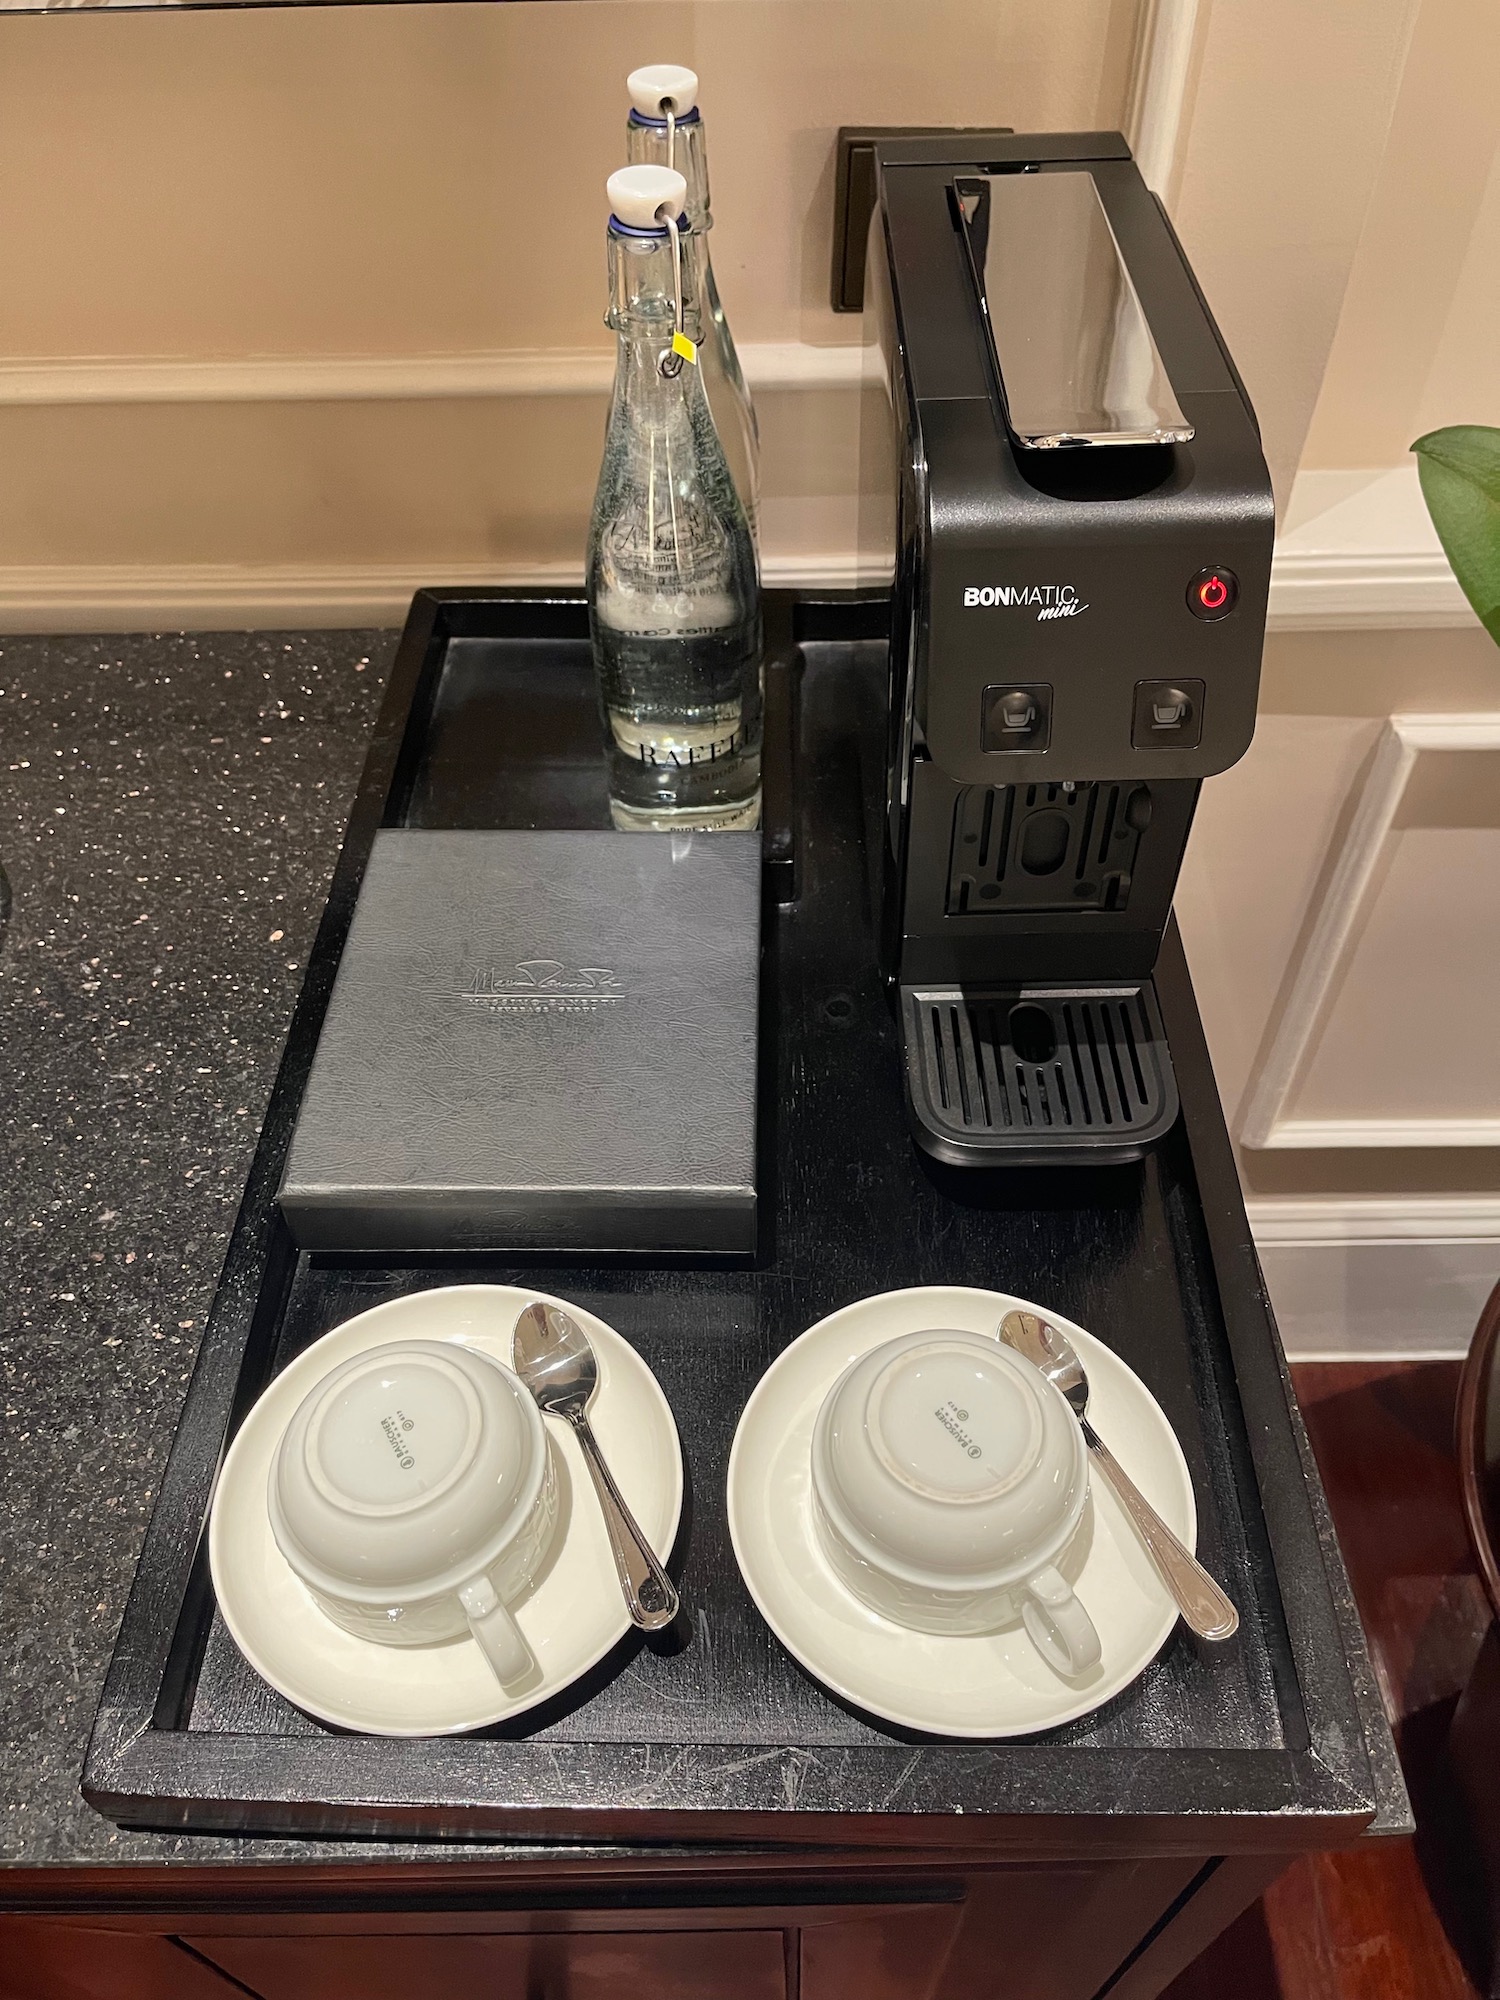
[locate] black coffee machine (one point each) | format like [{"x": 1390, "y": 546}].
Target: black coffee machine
[{"x": 1065, "y": 463}]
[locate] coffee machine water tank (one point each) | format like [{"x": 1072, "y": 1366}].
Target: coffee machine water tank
[{"x": 1079, "y": 523}]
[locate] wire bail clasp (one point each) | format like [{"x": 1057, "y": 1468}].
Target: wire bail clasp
[{"x": 683, "y": 348}]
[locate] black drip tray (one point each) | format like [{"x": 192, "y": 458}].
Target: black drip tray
[{"x": 1066, "y": 1075}]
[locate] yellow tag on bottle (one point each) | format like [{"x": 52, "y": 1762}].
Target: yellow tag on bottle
[{"x": 685, "y": 347}]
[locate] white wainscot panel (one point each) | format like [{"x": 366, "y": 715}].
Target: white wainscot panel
[
  {"x": 1390, "y": 1032},
  {"x": 1413, "y": 1033},
  {"x": 1260, "y": 841}
]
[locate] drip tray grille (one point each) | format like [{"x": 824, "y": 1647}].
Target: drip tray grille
[{"x": 1066, "y": 1075}]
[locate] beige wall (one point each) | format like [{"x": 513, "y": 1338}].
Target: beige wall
[
  {"x": 394, "y": 181},
  {"x": 1417, "y": 342},
  {"x": 328, "y": 182},
  {"x": 1284, "y": 137}
]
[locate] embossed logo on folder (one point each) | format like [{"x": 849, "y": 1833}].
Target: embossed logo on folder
[{"x": 544, "y": 986}]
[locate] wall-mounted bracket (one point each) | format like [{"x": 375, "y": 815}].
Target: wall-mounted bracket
[{"x": 854, "y": 198}]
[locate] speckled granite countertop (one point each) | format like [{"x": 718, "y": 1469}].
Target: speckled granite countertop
[
  {"x": 171, "y": 812},
  {"x": 172, "y": 808}
]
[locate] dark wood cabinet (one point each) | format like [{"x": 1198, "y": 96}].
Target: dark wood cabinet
[
  {"x": 44, "y": 1959},
  {"x": 540, "y": 1965},
  {"x": 725, "y": 1930}
]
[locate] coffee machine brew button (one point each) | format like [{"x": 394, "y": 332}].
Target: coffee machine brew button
[
  {"x": 1213, "y": 593},
  {"x": 1168, "y": 715},
  {"x": 1015, "y": 718}
]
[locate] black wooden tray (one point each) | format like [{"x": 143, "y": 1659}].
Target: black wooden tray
[{"x": 717, "y": 1734}]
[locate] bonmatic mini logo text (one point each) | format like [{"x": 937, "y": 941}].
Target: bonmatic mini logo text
[{"x": 1048, "y": 600}]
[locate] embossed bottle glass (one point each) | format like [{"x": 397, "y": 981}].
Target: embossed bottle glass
[
  {"x": 674, "y": 601},
  {"x": 655, "y": 91}
]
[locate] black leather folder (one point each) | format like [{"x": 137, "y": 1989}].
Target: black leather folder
[{"x": 538, "y": 1041}]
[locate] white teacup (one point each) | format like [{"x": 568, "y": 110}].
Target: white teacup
[
  {"x": 413, "y": 1492},
  {"x": 948, "y": 1477}
]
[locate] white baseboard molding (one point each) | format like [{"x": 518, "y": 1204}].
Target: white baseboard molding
[
  {"x": 1425, "y": 1218},
  {"x": 769, "y": 365},
  {"x": 1322, "y": 1135},
  {"x": 1358, "y": 552},
  {"x": 1378, "y": 1279},
  {"x": 1368, "y": 593},
  {"x": 208, "y": 597}
]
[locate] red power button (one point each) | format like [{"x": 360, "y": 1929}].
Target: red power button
[{"x": 1213, "y": 593}]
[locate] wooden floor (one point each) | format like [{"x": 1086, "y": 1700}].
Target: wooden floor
[{"x": 1392, "y": 1920}]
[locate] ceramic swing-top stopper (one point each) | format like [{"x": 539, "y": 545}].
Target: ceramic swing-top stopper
[
  {"x": 663, "y": 87},
  {"x": 641, "y": 197}
]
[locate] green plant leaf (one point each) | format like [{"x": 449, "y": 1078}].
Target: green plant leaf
[{"x": 1460, "y": 472}]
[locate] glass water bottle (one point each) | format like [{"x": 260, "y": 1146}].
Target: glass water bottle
[
  {"x": 665, "y": 128},
  {"x": 674, "y": 600}
]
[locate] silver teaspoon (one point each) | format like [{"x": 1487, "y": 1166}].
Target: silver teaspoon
[
  {"x": 553, "y": 1358},
  {"x": 1204, "y": 1607}
]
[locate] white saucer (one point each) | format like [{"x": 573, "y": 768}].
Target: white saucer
[
  {"x": 573, "y": 1612},
  {"x": 997, "y": 1685}
]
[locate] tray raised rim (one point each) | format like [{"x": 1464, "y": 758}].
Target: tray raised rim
[{"x": 140, "y": 1770}]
